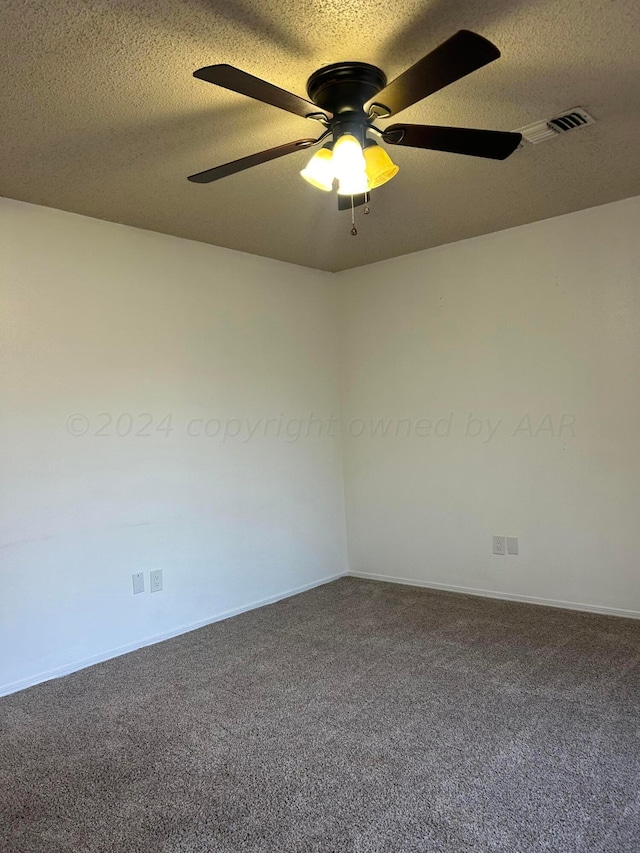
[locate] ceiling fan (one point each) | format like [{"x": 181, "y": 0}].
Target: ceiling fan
[{"x": 347, "y": 98}]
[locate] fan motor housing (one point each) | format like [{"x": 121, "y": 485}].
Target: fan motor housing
[{"x": 345, "y": 87}]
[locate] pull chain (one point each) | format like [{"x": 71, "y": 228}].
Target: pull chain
[
  {"x": 366, "y": 211},
  {"x": 354, "y": 230}
]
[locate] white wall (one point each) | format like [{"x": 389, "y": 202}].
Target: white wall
[
  {"x": 107, "y": 322},
  {"x": 104, "y": 321},
  {"x": 544, "y": 321}
]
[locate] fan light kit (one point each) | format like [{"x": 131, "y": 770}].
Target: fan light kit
[
  {"x": 348, "y": 98},
  {"x": 355, "y": 170}
]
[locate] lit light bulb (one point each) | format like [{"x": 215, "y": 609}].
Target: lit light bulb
[
  {"x": 353, "y": 184},
  {"x": 347, "y": 156},
  {"x": 349, "y": 166},
  {"x": 319, "y": 170}
]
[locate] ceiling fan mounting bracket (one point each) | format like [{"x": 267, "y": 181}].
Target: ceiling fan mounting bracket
[{"x": 345, "y": 87}]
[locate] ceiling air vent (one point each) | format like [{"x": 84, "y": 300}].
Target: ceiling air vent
[{"x": 540, "y": 131}]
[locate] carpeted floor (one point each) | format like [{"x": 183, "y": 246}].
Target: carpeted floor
[{"x": 357, "y": 717}]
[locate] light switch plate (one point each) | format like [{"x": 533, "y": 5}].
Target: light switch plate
[
  {"x": 498, "y": 545},
  {"x": 512, "y": 544},
  {"x": 138, "y": 582}
]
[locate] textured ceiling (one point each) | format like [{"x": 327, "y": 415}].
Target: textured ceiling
[{"x": 101, "y": 116}]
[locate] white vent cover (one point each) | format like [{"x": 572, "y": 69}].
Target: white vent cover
[{"x": 540, "y": 131}]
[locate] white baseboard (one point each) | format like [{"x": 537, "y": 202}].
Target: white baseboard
[
  {"x": 506, "y": 596},
  {"x": 59, "y": 671}
]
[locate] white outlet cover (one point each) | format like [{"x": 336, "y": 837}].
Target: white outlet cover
[
  {"x": 512, "y": 544},
  {"x": 155, "y": 578},
  {"x": 498, "y": 545},
  {"x": 138, "y": 582}
]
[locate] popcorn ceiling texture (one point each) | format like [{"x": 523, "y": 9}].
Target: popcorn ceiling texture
[{"x": 101, "y": 116}]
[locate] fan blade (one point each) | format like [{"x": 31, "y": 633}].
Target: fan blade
[
  {"x": 246, "y": 84},
  {"x": 252, "y": 160},
  {"x": 463, "y": 53},
  {"x": 494, "y": 144},
  {"x": 344, "y": 201}
]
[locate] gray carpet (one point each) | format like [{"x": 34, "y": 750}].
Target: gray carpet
[{"x": 356, "y": 717}]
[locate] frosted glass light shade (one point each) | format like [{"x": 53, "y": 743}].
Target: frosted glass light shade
[
  {"x": 319, "y": 170},
  {"x": 353, "y": 184},
  {"x": 349, "y": 166},
  {"x": 380, "y": 167},
  {"x": 347, "y": 156}
]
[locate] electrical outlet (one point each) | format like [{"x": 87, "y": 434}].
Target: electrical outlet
[
  {"x": 498, "y": 545},
  {"x": 138, "y": 582},
  {"x": 512, "y": 544},
  {"x": 156, "y": 580}
]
